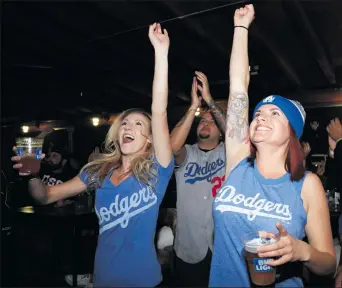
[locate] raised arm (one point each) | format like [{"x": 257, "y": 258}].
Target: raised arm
[
  {"x": 160, "y": 129},
  {"x": 237, "y": 140},
  {"x": 218, "y": 115},
  {"x": 181, "y": 131}
]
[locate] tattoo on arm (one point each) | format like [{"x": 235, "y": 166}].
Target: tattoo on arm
[
  {"x": 218, "y": 116},
  {"x": 237, "y": 116}
]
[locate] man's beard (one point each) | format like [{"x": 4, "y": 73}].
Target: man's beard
[
  {"x": 52, "y": 167},
  {"x": 203, "y": 136}
]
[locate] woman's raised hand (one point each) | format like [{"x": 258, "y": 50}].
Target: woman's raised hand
[
  {"x": 244, "y": 16},
  {"x": 159, "y": 38}
]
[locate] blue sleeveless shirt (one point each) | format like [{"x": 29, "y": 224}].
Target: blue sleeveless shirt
[{"x": 248, "y": 202}]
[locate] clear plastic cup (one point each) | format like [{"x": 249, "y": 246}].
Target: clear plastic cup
[
  {"x": 30, "y": 151},
  {"x": 260, "y": 272}
]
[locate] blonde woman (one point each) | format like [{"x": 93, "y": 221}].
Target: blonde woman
[{"x": 130, "y": 179}]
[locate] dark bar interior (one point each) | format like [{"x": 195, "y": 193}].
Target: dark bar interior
[{"x": 68, "y": 69}]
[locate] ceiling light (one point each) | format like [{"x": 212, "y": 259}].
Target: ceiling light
[
  {"x": 25, "y": 129},
  {"x": 198, "y": 112},
  {"x": 96, "y": 121}
]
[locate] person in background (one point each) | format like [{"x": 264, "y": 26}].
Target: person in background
[
  {"x": 164, "y": 243},
  {"x": 266, "y": 187},
  {"x": 335, "y": 148},
  {"x": 199, "y": 173},
  {"x": 130, "y": 178},
  {"x": 334, "y": 130},
  {"x": 44, "y": 233}
]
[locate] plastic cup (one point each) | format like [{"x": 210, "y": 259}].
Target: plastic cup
[
  {"x": 260, "y": 272},
  {"x": 30, "y": 151}
]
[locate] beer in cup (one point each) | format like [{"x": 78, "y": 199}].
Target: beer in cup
[
  {"x": 30, "y": 151},
  {"x": 260, "y": 272}
]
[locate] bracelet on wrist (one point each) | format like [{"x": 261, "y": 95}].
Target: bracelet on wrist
[
  {"x": 211, "y": 105},
  {"x": 240, "y": 26}
]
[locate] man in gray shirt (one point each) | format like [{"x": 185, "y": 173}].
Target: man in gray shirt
[{"x": 200, "y": 170}]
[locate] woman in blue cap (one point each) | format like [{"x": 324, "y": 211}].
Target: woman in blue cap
[{"x": 267, "y": 188}]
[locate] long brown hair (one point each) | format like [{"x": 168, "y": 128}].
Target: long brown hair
[{"x": 294, "y": 159}]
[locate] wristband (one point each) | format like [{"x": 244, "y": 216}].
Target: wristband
[{"x": 238, "y": 26}]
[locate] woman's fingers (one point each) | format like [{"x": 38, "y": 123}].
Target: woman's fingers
[
  {"x": 282, "y": 260},
  {"x": 16, "y": 158},
  {"x": 270, "y": 247},
  {"x": 274, "y": 253}
]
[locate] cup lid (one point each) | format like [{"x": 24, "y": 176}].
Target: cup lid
[{"x": 253, "y": 240}]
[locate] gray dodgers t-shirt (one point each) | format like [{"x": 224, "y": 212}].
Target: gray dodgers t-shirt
[{"x": 198, "y": 179}]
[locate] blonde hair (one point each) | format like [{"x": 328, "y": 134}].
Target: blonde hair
[{"x": 104, "y": 163}]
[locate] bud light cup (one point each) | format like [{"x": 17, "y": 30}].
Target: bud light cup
[{"x": 260, "y": 272}]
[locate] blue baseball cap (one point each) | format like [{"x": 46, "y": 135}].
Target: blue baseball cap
[{"x": 293, "y": 111}]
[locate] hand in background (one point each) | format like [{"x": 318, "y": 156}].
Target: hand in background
[
  {"x": 321, "y": 168},
  {"x": 314, "y": 125},
  {"x": 195, "y": 99},
  {"x": 335, "y": 129},
  {"x": 306, "y": 148},
  {"x": 205, "y": 91}
]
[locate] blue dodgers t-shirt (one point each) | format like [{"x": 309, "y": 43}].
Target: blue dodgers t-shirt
[
  {"x": 127, "y": 213},
  {"x": 248, "y": 202}
]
